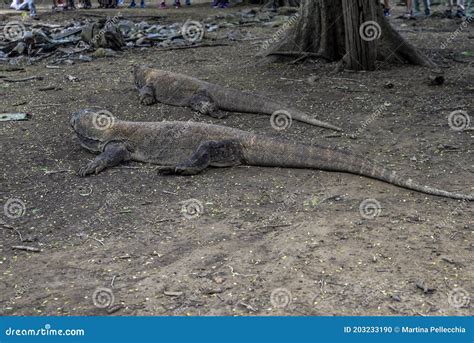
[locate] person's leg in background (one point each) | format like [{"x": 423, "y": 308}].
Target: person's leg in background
[
  {"x": 470, "y": 10},
  {"x": 460, "y": 12},
  {"x": 386, "y": 8},
  {"x": 32, "y": 7},
  {"x": 427, "y": 4},
  {"x": 409, "y": 13},
  {"x": 417, "y": 10}
]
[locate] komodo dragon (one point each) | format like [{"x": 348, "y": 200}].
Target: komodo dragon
[
  {"x": 187, "y": 148},
  {"x": 207, "y": 98}
]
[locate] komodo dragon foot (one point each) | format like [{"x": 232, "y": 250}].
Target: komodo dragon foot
[
  {"x": 202, "y": 102},
  {"x": 225, "y": 153},
  {"x": 147, "y": 97},
  {"x": 114, "y": 154}
]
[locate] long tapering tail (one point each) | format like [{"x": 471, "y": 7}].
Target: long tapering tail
[
  {"x": 281, "y": 114},
  {"x": 271, "y": 153}
]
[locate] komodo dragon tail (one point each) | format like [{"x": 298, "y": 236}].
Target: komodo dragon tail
[
  {"x": 249, "y": 103},
  {"x": 267, "y": 152}
]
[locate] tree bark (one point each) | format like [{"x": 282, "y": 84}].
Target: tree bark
[
  {"x": 319, "y": 30},
  {"x": 353, "y": 32},
  {"x": 361, "y": 33}
]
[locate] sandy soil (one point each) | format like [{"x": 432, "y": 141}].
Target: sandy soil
[{"x": 268, "y": 241}]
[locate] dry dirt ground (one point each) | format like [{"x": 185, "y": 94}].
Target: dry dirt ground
[{"x": 268, "y": 241}]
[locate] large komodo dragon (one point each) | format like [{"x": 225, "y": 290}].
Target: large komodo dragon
[
  {"x": 187, "y": 148},
  {"x": 207, "y": 98}
]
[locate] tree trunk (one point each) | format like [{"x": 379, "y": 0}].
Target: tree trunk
[
  {"x": 318, "y": 31},
  {"x": 361, "y": 33},
  {"x": 353, "y": 32}
]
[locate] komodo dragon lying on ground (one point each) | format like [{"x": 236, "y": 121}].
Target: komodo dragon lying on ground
[
  {"x": 207, "y": 98},
  {"x": 187, "y": 148}
]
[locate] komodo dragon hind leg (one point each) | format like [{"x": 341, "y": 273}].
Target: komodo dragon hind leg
[
  {"x": 202, "y": 102},
  {"x": 225, "y": 153},
  {"x": 147, "y": 96},
  {"x": 114, "y": 154}
]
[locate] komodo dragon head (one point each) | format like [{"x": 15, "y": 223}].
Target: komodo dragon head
[
  {"x": 93, "y": 128},
  {"x": 140, "y": 73}
]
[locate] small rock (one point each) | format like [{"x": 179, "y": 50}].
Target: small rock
[{"x": 218, "y": 279}]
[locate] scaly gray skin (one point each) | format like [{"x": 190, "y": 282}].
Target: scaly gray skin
[
  {"x": 187, "y": 148},
  {"x": 207, "y": 98}
]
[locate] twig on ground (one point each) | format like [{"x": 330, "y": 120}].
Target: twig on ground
[
  {"x": 6, "y": 226},
  {"x": 193, "y": 46},
  {"x": 26, "y": 248},
  {"x": 97, "y": 240},
  {"x": 25, "y": 79}
]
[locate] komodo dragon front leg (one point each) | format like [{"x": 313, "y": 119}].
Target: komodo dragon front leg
[
  {"x": 114, "y": 153},
  {"x": 147, "y": 96},
  {"x": 203, "y": 102},
  {"x": 225, "y": 153}
]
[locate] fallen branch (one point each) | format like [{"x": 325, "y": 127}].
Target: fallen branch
[
  {"x": 25, "y": 79},
  {"x": 26, "y": 248},
  {"x": 193, "y": 46}
]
